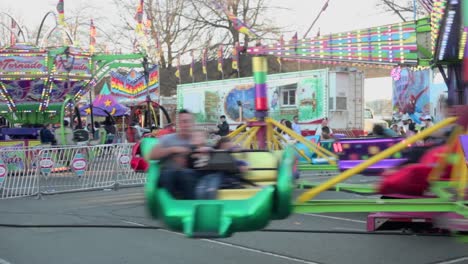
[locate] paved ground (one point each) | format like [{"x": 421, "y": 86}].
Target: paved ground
[{"x": 126, "y": 207}]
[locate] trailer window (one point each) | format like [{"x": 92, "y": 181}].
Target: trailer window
[{"x": 288, "y": 97}]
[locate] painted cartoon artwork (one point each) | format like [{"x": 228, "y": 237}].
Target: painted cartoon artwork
[
  {"x": 17, "y": 92},
  {"x": 438, "y": 99},
  {"x": 244, "y": 94},
  {"x": 411, "y": 94},
  {"x": 212, "y": 101},
  {"x": 274, "y": 101},
  {"x": 185, "y": 100},
  {"x": 310, "y": 94}
]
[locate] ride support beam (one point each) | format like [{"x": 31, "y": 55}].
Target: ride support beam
[
  {"x": 371, "y": 161},
  {"x": 377, "y": 205},
  {"x": 260, "y": 71}
]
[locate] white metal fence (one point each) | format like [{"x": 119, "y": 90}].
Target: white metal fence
[{"x": 48, "y": 170}]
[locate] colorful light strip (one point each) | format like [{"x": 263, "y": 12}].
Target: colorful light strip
[
  {"x": 436, "y": 17},
  {"x": 4, "y": 92},
  {"x": 392, "y": 44},
  {"x": 461, "y": 52},
  {"x": 445, "y": 36}
]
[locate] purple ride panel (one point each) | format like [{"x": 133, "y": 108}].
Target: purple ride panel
[
  {"x": 357, "y": 150},
  {"x": 464, "y": 142}
]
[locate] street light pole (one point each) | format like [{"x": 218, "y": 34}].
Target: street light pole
[
  {"x": 148, "y": 99},
  {"x": 91, "y": 109},
  {"x": 68, "y": 66}
]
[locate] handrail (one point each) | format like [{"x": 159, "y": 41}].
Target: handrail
[{"x": 321, "y": 152}]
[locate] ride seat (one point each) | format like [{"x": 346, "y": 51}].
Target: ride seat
[
  {"x": 263, "y": 171},
  {"x": 237, "y": 194},
  {"x": 263, "y": 166}
]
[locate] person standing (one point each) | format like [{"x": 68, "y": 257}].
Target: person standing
[
  {"x": 427, "y": 119},
  {"x": 46, "y": 135},
  {"x": 295, "y": 125},
  {"x": 223, "y": 126},
  {"x": 324, "y": 124}
]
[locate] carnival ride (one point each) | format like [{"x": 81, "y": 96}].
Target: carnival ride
[
  {"x": 140, "y": 95},
  {"x": 249, "y": 209},
  {"x": 38, "y": 83}
]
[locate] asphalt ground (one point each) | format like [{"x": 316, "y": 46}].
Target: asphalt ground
[{"x": 134, "y": 245}]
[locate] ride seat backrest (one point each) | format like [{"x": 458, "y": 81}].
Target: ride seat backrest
[
  {"x": 80, "y": 135},
  {"x": 316, "y": 140},
  {"x": 327, "y": 144},
  {"x": 263, "y": 166},
  {"x": 222, "y": 161}
]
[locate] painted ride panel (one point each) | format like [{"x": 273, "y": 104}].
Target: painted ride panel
[{"x": 353, "y": 151}]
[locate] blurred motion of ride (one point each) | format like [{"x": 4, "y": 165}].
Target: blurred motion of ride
[
  {"x": 137, "y": 162},
  {"x": 248, "y": 208}
]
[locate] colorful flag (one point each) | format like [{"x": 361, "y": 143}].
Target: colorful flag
[
  {"x": 12, "y": 33},
  {"x": 177, "y": 72},
  {"x": 139, "y": 17},
  {"x": 204, "y": 60},
  {"x": 192, "y": 64},
  {"x": 92, "y": 36},
  {"x": 280, "y": 48},
  {"x": 61, "y": 12},
  {"x": 295, "y": 42},
  {"x": 135, "y": 45},
  {"x": 235, "y": 56},
  {"x": 220, "y": 58},
  {"x": 148, "y": 25},
  {"x": 238, "y": 24},
  {"x": 325, "y": 6}
]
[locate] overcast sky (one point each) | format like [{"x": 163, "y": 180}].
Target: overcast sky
[{"x": 341, "y": 15}]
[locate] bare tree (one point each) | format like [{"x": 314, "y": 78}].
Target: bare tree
[
  {"x": 169, "y": 32},
  {"x": 404, "y": 9},
  {"x": 179, "y": 26},
  {"x": 252, "y": 12}
]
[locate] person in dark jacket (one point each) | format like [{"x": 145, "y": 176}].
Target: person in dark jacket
[
  {"x": 223, "y": 126},
  {"x": 46, "y": 135}
]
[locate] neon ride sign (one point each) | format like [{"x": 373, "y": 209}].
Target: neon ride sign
[
  {"x": 77, "y": 66},
  {"x": 22, "y": 64}
]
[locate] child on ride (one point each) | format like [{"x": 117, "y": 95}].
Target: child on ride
[
  {"x": 233, "y": 181},
  {"x": 226, "y": 144},
  {"x": 199, "y": 156},
  {"x": 208, "y": 182}
]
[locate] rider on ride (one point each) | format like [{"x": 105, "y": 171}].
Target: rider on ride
[
  {"x": 172, "y": 151},
  {"x": 182, "y": 161}
]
